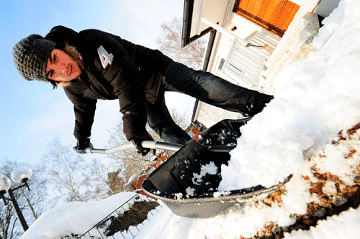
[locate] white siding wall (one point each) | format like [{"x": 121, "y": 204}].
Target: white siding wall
[
  {"x": 209, "y": 115},
  {"x": 244, "y": 29}
]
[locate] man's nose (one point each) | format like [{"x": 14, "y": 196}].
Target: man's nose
[{"x": 61, "y": 70}]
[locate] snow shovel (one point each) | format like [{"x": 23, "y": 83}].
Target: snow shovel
[
  {"x": 188, "y": 190},
  {"x": 136, "y": 180},
  {"x": 145, "y": 144}
]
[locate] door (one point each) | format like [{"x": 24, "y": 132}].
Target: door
[{"x": 274, "y": 15}]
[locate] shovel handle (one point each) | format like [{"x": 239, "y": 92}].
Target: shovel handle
[{"x": 145, "y": 144}]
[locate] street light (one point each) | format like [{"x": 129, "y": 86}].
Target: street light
[{"x": 20, "y": 175}]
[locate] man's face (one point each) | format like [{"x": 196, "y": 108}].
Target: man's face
[{"x": 62, "y": 67}]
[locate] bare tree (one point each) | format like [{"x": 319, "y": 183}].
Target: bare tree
[
  {"x": 8, "y": 223},
  {"x": 170, "y": 44},
  {"x": 131, "y": 165},
  {"x": 65, "y": 172},
  {"x": 71, "y": 178},
  {"x": 102, "y": 184},
  {"x": 116, "y": 183},
  {"x": 31, "y": 203}
]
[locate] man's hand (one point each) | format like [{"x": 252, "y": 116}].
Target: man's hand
[
  {"x": 137, "y": 142},
  {"x": 82, "y": 145}
]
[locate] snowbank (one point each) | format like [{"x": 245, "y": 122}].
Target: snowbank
[{"x": 75, "y": 217}]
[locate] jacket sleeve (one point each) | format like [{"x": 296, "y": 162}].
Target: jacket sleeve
[
  {"x": 84, "y": 110},
  {"x": 124, "y": 77}
]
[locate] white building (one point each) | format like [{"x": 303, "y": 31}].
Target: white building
[{"x": 251, "y": 41}]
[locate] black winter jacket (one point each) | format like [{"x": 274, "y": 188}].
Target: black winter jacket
[{"x": 114, "y": 69}]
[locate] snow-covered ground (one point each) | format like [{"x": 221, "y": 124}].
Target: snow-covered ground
[
  {"x": 75, "y": 217},
  {"x": 315, "y": 99},
  {"x": 346, "y": 225},
  {"x": 166, "y": 225}
]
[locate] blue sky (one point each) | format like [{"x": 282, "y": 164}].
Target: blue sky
[{"x": 32, "y": 113}]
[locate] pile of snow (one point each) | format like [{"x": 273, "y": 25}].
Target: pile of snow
[
  {"x": 75, "y": 217},
  {"x": 166, "y": 225},
  {"x": 204, "y": 170},
  {"x": 315, "y": 99},
  {"x": 248, "y": 221}
]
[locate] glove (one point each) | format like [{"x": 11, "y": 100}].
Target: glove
[
  {"x": 137, "y": 142},
  {"x": 82, "y": 145}
]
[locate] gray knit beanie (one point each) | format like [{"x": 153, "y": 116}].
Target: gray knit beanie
[{"x": 31, "y": 55}]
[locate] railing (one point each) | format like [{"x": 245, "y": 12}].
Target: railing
[{"x": 126, "y": 221}]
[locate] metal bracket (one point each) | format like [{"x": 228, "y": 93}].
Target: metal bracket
[{"x": 249, "y": 45}]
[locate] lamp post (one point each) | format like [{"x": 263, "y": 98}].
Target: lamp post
[{"x": 20, "y": 175}]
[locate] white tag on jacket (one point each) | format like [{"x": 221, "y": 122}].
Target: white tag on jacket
[{"x": 105, "y": 57}]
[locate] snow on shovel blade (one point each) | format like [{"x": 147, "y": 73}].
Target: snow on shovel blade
[{"x": 187, "y": 182}]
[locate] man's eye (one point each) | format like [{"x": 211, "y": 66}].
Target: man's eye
[
  {"x": 50, "y": 73},
  {"x": 54, "y": 59}
]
